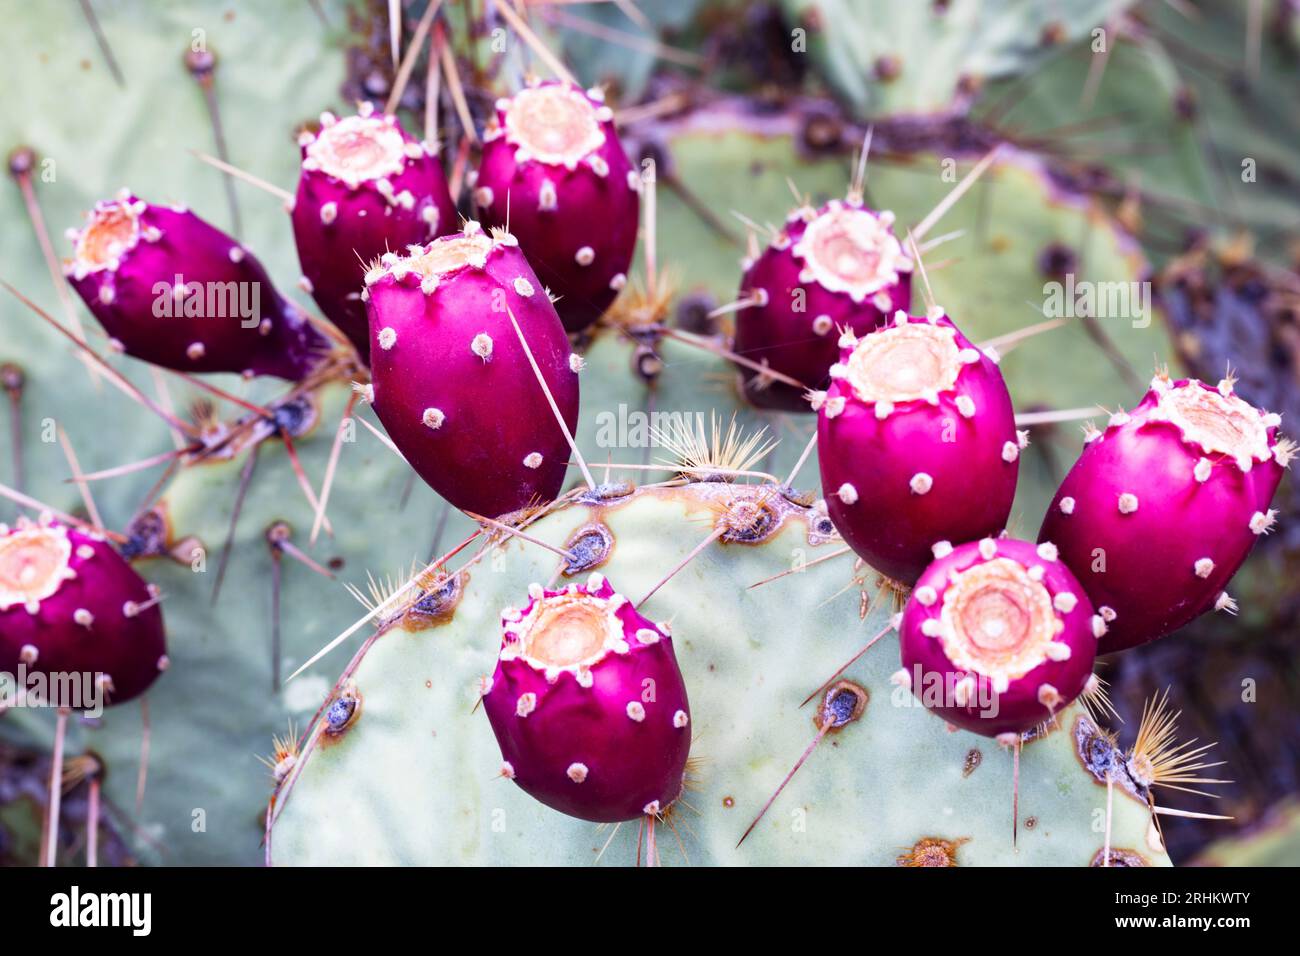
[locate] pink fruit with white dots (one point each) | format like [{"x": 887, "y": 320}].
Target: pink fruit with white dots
[
  {"x": 917, "y": 443},
  {"x": 71, "y": 605},
  {"x": 555, "y": 174},
  {"x": 588, "y": 704},
  {"x": 367, "y": 187},
  {"x": 829, "y": 269},
  {"x": 452, "y": 383},
  {"x": 1165, "y": 503},
  {"x": 997, "y": 636},
  {"x": 174, "y": 291}
]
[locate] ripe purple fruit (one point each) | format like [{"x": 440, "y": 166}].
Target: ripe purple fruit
[
  {"x": 997, "y": 636},
  {"x": 70, "y": 604},
  {"x": 555, "y": 174},
  {"x": 917, "y": 443},
  {"x": 453, "y": 385},
  {"x": 174, "y": 291},
  {"x": 588, "y": 704},
  {"x": 831, "y": 268},
  {"x": 1163, "y": 506},
  {"x": 367, "y": 188}
]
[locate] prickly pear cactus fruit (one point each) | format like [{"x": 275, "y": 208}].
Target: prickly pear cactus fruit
[
  {"x": 1005, "y": 629},
  {"x": 367, "y": 187},
  {"x": 555, "y": 173},
  {"x": 838, "y": 267},
  {"x": 1163, "y": 506},
  {"x": 69, "y": 604},
  {"x": 373, "y": 790},
  {"x": 916, "y": 417},
  {"x": 588, "y": 704},
  {"x": 174, "y": 291},
  {"x": 456, "y": 329}
]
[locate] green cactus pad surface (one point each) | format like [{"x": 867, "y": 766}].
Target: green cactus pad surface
[
  {"x": 415, "y": 778},
  {"x": 889, "y": 59}
]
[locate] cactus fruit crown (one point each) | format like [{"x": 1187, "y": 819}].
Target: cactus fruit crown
[
  {"x": 1213, "y": 418},
  {"x": 911, "y": 361},
  {"x": 1216, "y": 419},
  {"x": 112, "y": 230},
  {"x": 567, "y": 631},
  {"x": 441, "y": 257},
  {"x": 998, "y": 621},
  {"x": 1007, "y": 612},
  {"x": 846, "y": 248},
  {"x": 34, "y": 563},
  {"x": 357, "y": 149},
  {"x": 553, "y": 124}
]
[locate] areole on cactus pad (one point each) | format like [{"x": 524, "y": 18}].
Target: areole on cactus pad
[
  {"x": 1165, "y": 503},
  {"x": 453, "y": 383},
  {"x": 174, "y": 291},
  {"x": 588, "y": 704},
  {"x": 555, "y": 174},
  {"x": 828, "y": 269},
  {"x": 70, "y": 606},
  {"x": 366, "y": 188},
  {"x": 917, "y": 442}
]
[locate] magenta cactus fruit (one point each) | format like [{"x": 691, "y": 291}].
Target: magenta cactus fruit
[
  {"x": 174, "y": 291},
  {"x": 828, "y": 269},
  {"x": 917, "y": 443},
  {"x": 997, "y": 636},
  {"x": 588, "y": 704},
  {"x": 452, "y": 383},
  {"x": 367, "y": 187},
  {"x": 71, "y": 605},
  {"x": 1163, "y": 506},
  {"x": 555, "y": 174}
]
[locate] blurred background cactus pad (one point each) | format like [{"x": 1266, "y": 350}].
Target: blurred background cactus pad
[{"x": 694, "y": 432}]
